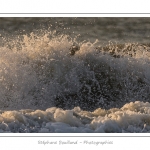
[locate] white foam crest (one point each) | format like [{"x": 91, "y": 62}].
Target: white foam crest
[{"x": 132, "y": 117}]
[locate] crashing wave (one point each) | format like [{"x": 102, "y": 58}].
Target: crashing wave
[{"x": 40, "y": 71}]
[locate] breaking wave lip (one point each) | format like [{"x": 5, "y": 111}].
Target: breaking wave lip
[{"x": 74, "y": 80}]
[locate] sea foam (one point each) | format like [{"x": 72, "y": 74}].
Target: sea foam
[
  {"x": 132, "y": 117},
  {"x": 53, "y": 91}
]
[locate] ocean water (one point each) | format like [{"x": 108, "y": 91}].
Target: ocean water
[{"x": 79, "y": 75}]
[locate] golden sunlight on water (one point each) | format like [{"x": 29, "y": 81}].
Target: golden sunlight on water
[{"x": 74, "y": 75}]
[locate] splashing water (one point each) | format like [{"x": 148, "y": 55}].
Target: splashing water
[{"x": 38, "y": 72}]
